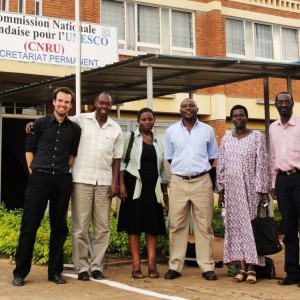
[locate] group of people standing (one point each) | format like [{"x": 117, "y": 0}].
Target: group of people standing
[
  {"x": 97, "y": 143},
  {"x": 105, "y": 166}
]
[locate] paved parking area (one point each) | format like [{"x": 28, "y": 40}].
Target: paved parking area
[{"x": 120, "y": 285}]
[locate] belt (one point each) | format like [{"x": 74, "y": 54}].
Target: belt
[
  {"x": 193, "y": 176},
  {"x": 47, "y": 171},
  {"x": 290, "y": 172}
]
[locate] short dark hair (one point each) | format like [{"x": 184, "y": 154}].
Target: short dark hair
[
  {"x": 143, "y": 110},
  {"x": 104, "y": 93},
  {"x": 65, "y": 90},
  {"x": 238, "y": 106},
  {"x": 285, "y": 93}
]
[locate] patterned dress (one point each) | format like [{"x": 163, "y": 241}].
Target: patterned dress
[{"x": 243, "y": 171}]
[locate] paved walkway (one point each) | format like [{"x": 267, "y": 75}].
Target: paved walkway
[{"x": 119, "y": 284}]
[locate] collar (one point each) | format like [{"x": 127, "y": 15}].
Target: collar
[
  {"x": 108, "y": 120},
  {"x": 52, "y": 119},
  {"x": 196, "y": 123},
  {"x": 137, "y": 133},
  {"x": 291, "y": 121}
]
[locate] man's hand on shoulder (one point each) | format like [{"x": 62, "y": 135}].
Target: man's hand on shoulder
[{"x": 29, "y": 128}]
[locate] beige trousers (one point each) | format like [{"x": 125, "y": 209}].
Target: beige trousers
[
  {"x": 90, "y": 203},
  {"x": 186, "y": 194}
]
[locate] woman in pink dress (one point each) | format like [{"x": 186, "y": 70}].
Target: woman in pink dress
[{"x": 243, "y": 181}]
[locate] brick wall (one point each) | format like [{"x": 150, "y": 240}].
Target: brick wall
[
  {"x": 59, "y": 9},
  {"x": 211, "y": 42},
  {"x": 90, "y": 9},
  {"x": 30, "y": 7},
  {"x": 209, "y": 33},
  {"x": 13, "y": 5},
  {"x": 219, "y": 127},
  {"x": 254, "y": 88}
]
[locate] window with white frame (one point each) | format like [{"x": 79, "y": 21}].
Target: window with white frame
[
  {"x": 263, "y": 41},
  {"x": 113, "y": 14},
  {"x": 150, "y": 29},
  {"x": 148, "y": 24},
  {"x": 38, "y": 10},
  {"x": 182, "y": 29},
  {"x": 5, "y": 5},
  {"x": 235, "y": 37},
  {"x": 22, "y": 6},
  {"x": 289, "y": 44}
]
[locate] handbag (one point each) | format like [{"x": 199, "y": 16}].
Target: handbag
[{"x": 265, "y": 233}]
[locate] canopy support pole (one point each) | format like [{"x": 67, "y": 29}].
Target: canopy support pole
[
  {"x": 267, "y": 125},
  {"x": 289, "y": 84},
  {"x": 150, "y": 87},
  {"x": 78, "y": 57},
  {"x": 1, "y": 133},
  {"x": 267, "y": 110}
]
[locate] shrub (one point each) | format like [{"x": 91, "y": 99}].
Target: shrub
[
  {"x": 9, "y": 230},
  {"x": 119, "y": 242},
  {"x": 10, "y": 221}
]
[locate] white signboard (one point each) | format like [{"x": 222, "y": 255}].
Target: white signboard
[{"x": 30, "y": 38}]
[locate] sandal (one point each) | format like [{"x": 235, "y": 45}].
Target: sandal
[
  {"x": 251, "y": 277},
  {"x": 137, "y": 274},
  {"x": 153, "y": 273},
  {"x": 241, "y": 276}
]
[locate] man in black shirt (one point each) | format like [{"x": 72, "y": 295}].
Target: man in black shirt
[{"x": 50, "y": 153}]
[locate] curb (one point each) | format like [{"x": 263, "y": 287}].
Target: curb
[{"x": 121, "y": 263}]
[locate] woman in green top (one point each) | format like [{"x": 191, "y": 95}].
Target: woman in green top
[{"x": 143, "y": 191}]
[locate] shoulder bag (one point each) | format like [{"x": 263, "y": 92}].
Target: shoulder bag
[
  {"x": 265, "y": 233},
  {"x": 127, "y": 156}
]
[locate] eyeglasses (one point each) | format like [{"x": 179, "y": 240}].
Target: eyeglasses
[{"x": 284, "y": 102}]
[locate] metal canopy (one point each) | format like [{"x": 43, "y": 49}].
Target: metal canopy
[{"x": 127, "y": 80}]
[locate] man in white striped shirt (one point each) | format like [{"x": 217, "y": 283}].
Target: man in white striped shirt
[{"x": 95, "y": 180}]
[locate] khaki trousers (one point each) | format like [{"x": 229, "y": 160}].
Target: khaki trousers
[
  {"x": 90, "y": 202},
  {"x": 186, "y": 194}
]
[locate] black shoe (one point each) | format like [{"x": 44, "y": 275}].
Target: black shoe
[
  {"x": 96, "y": 274},
  {"x": 172, "y": 274},
  {"x": 57, "y": 278},
  {"x": 209, "y": 275},
  {"x": 286, "y": 281},
  {"x": 18, "y": 281},
  {"x": 298, "y": 284},
  {"x": 83, "y": 276}
]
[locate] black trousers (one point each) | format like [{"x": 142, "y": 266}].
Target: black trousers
[
  {"x": 288, "y": 197},
  {"x": 42, "y": 187}
]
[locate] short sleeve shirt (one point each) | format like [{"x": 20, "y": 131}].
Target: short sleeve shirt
[{"x": 97, "y": 149}]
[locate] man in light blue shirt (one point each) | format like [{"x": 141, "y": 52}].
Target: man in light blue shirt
[{"x": 191, "y": 148}]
